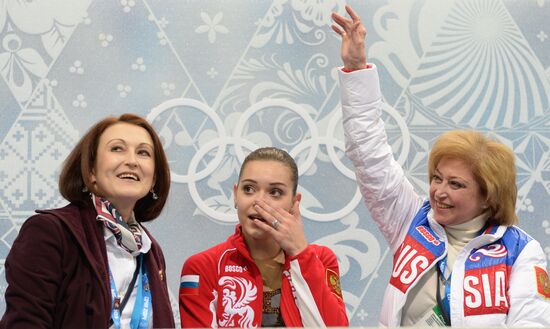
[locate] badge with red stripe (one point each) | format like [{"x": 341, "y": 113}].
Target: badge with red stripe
[
  {"x": 333, "y": 281},
  {"x": 543, "y": 283},
  {"x": 189, "y": 284}
]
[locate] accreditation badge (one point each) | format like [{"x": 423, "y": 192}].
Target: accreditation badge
[{"x": 432, "y": 318}]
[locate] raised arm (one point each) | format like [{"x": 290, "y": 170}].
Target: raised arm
[
  {"x": 353, "y": 35},
  {"x": 388, "y": 194}
]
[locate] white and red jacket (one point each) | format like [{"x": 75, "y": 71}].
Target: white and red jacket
[
  {"x": 222, "y": 287},
  {"x": 498, "y": 279}
]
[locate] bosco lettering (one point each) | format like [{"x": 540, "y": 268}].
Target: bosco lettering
[{"x": 234, "y": 268}]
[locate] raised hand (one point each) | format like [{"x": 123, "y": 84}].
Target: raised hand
[
  {"x": 285, "y": 227},
  {"x": 353, "y": 34}
]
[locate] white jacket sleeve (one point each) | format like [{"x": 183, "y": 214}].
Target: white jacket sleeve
[
  {"x": 529, "y": 289},
  {"x": 388, "y": 194}
]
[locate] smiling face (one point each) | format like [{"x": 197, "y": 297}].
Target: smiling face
[
  {"x": 455, "y": 195},
  {"x": 262, "y": 179},
  {"x": 124, "y": 168}
]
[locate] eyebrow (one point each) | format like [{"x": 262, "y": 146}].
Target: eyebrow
[
  {"x": 123, "y": 141},
  {"x": 453, "y": 177},
  {"x": 248, "y": 180}
]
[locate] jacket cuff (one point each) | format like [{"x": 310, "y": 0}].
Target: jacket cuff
[
  {"x": 359, "y": 87},
  {"x": 300, "y": 255},
  {"x": 367, "y": 66}
]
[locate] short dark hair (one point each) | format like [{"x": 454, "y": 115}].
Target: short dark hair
[
  {"x": 80, "y": 162},
  {"x": 274, "y": 154}
]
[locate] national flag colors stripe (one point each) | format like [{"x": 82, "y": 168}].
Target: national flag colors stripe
[{"x": 189, "y": 284}]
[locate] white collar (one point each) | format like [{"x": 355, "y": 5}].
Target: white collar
[{"x": 462, "y": 233}]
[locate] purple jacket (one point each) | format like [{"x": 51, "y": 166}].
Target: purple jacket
[{"x": 58, "y": 276}]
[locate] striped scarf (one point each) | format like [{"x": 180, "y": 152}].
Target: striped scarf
[{"x": 128, "y": 235}]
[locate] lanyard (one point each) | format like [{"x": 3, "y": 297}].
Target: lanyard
[
  {"x": 446, "y": 301},
  {"x": 141, "y": 313}
]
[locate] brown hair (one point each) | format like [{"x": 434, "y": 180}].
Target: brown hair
[
  {"x": 493, "y": 167},
  {"x": 75, "y": 174},
  {"x": 274, "y": 154}
]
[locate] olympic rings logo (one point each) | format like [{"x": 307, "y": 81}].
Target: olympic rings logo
[{"x": 310, "y": 143}]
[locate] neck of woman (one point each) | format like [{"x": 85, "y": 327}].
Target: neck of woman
[
  {"x": 462, "y": 233},
  {"x": 124, "y": 211},
  {"x": 263, "y": 249}
]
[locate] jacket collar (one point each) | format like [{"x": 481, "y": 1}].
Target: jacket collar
[{"x": 81, "y": 222}]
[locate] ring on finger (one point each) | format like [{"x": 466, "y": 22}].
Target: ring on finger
[{"x": 275, "y": 223}]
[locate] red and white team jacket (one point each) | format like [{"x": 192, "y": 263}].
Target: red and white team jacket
[
  {"x": 222, "y": 287},
  {"x": 499, "y": 279}
]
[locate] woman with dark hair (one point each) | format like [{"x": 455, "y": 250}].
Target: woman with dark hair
[
  {"x": 265, "y": 274},
  {"x": 91, "y": 264},
  {"x": 458, "y": 258}
]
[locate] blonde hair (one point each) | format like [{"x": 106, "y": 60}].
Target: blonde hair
[{"x": 493, "y": 167}]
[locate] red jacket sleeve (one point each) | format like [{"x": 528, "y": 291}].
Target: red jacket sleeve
[
  {"x": 316, "y": 278},
  {"x": 197, "y": 300}
]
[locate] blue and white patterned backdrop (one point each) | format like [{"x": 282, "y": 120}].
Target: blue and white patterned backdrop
[{"x": 218, "y": 78}]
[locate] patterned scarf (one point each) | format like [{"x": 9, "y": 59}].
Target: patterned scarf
[{"x": 128, "y": 235}]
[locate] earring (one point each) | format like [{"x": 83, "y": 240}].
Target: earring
[
  {"x": 154, "y": 195},
  {"x": 85, "y": 189}
]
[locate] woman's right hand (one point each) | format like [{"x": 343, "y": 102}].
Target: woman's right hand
[
  {"x": 289, "y": 230},
  {"x": 353, "y": 35}
]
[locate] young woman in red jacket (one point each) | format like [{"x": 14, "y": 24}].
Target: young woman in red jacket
[{"x": 265, "y": 274}]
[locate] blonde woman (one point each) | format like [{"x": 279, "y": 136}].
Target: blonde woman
[{"x": 458, "y": 258}]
